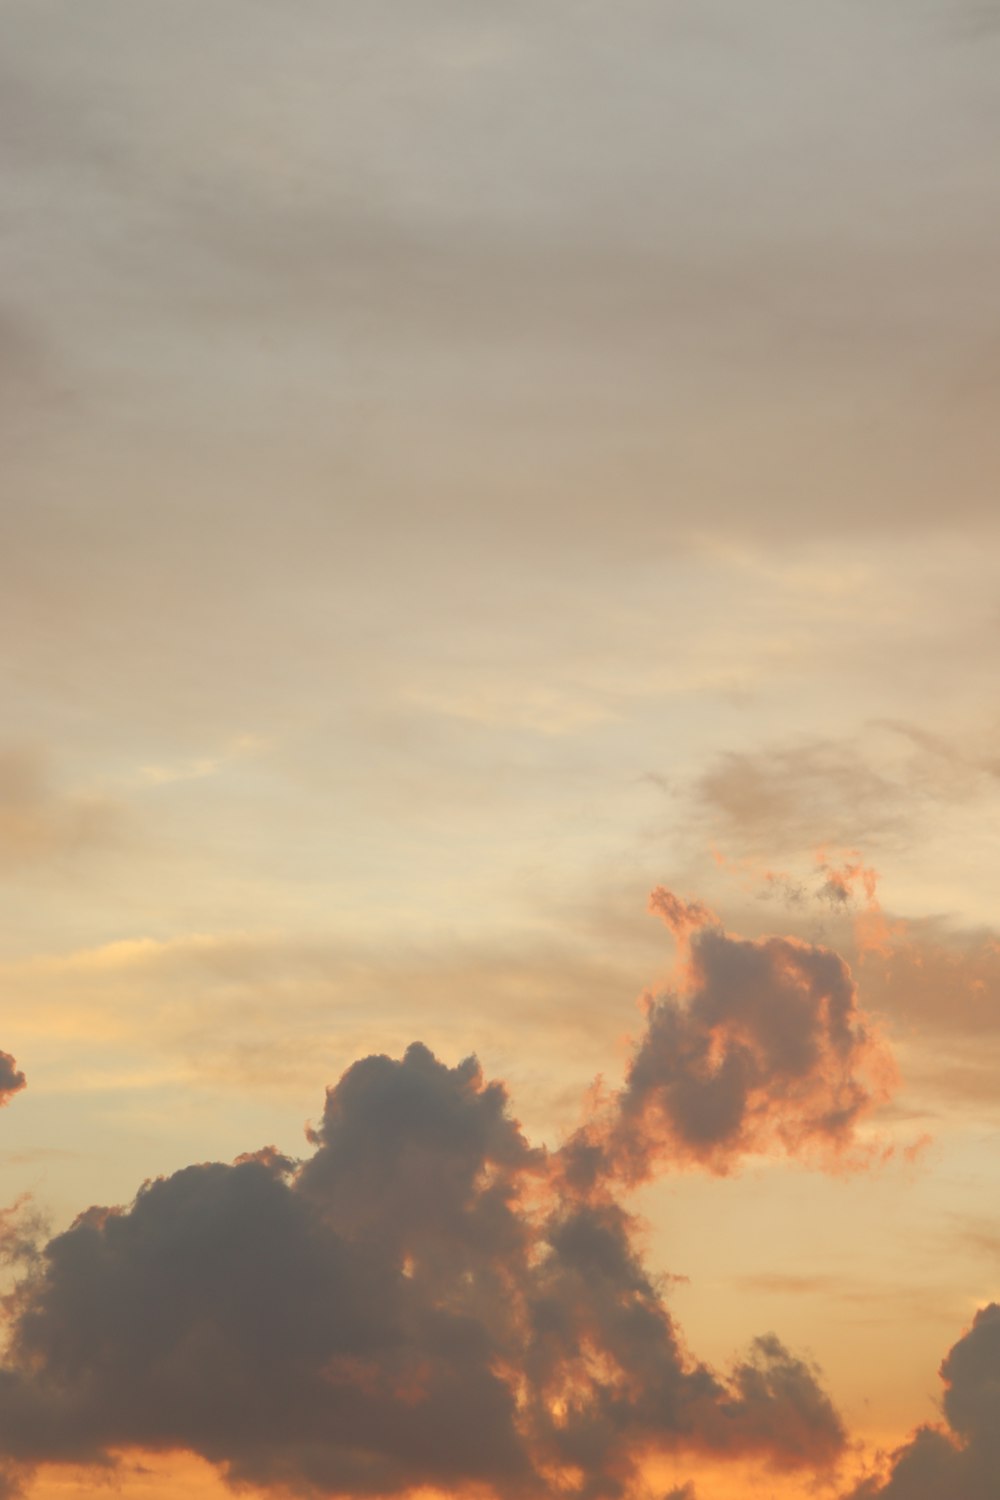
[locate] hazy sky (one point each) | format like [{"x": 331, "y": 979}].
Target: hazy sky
[{"x": 466, "y": 467}]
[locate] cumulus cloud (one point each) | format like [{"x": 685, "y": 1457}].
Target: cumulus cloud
[
  {"x": 12, "y": 1080},
  {"x": 762, "y": 1047},
  {"x": 962, "y": 1458},
  {"x": 427, "y": 1298}
]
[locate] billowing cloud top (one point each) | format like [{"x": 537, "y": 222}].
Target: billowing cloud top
[
  {"x": 429, "y": 1300},
  {"x": 762, "y": 1047}
]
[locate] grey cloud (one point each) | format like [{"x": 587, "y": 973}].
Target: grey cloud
[
  {"x": 775, "y": 1387},
  {"x": 564, "y": 188},
  {"x": 763, "y": 1047},
  {"x": 962, "y": 1458},
  {"x": 12, "y": 1080},
  {"x": 420, "y": 1302},
  {"x": 224, "y": 1315},
  {"x": 464, "y": 288}
]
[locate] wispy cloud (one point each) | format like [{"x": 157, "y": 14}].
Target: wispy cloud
[
  {"x": 196, "y": 768},
  {"x": 41, "y": 822}
]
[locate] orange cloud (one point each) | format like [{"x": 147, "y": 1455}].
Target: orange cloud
[{"x": 762, "y": 1048}]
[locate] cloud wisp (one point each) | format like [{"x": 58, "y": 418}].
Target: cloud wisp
[
  {"x": 39, "y": 822},
  {"x": 429, "y": 1300}
]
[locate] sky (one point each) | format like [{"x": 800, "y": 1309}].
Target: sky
[{"x": 499, "y": 770}]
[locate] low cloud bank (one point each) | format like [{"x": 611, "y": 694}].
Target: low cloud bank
[{"x": 427, "y": 1299}]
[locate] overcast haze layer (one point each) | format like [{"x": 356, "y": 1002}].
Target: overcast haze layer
[{"x": 498, "y": 523}]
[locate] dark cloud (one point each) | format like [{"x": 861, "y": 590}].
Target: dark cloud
[
  {"x": 961, "y": 1460},
  {"x": 763, "y": 1048},
  {"x": 12, "y": 1080},
  {"x": 425, "y": 1300}
]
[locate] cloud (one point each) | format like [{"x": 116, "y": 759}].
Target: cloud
[
  {"x": 937, "y": 984},
  {"x": 237, "y": 1010},
  {"x": 762, "y": 1048},
  {"x": 796, "y": 795},
  {"x": 199, "y": 767},
  {"x": 961, "y": 1458},
  {"x": 38, "y": 822},
  {"x": 21, "y": 1227},
  {"x": 12, "y": 1081},
  {"x": 950, "y": 977},
  {"x": 23, "y": 365},
  {"x": 425, "y": 1300}
]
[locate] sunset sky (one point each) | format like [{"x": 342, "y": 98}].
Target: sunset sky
[{"x": 499, "y": 552}]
